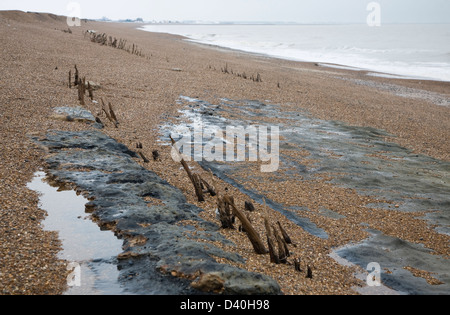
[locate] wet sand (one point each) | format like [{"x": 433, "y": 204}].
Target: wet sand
[{"x": 36, "y": 57}]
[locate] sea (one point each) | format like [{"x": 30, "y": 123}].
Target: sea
[{"x": 411, "y": 51}]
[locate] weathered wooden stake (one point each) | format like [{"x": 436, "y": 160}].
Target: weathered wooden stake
[
  {"x": 106, "y": 112},
  {"x": 226, "y": 217},
  {"x": 209, "y": 189},
  {"x": 82, "y": 91},
  {"x": 282, "y": 255},
  {"x": 198, "y": 192},
  {"x": 286, "y": 237},
  {"x": 113, "y": 114},
  {"x": 258, "y": 78},
  {"x": 143, "y": 157},
  {"x": 254, "y": 237},
  {"x": 198, "y": 187},
  {"x": 110, "y": 113},
  {"x": 91, "y": 91},
  {"x": 155, "y": 154},
  {"x": 76, "y": 76},
  {"x": 273, "y": 257},
  {"x": 286, "y": 249},
  {"x": 249, "y": 206},
  {"x": 309, "y": 273},
  {"x": 297, "y": 265}
]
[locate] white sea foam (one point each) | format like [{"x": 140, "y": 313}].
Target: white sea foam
[{"x": 420, "y": 51}]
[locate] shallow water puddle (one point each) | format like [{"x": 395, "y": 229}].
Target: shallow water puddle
[{"x": 90, "y": 252}]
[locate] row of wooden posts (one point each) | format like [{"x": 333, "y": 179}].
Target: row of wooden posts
[
  {"x": 243, "y": 75},
  {"x": 277, "y": 238},
  {"x": 105, "y": 40},
  {"x": 108, "y": 110}
]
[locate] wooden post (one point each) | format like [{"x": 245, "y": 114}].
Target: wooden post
[
  {"x": 113, "y": 115},
  {"x": 76, "y": 75},
  {"x": 282, "y": 255},
  {"x": 210, "y": 189},
  {"x": 273, "y": 257},
  {"x": 198, "y": 192},
  {"x": 197, "y": 181},
  {"x": 143, "y": 157},
  {"x": 225, "y": 215},
  {"x": 249, "y": 206},
  {"x": 91, "y": 91},
  {"x": 83, "y": 87},
  {"x": 297, "y": 265},
  {"x": 198, "y": 187},
  {"x": 81, "y": 92},
  {"x": 107, "y": 113},
  {"x": 286, "y": 249},
  {"x": 110, "y": 113},
  {"x": 309, "y": 273},
  {"x": 155, "y": 154},
  {"x": 258, "y": 78},
  {"x": 254, "y": 237}
]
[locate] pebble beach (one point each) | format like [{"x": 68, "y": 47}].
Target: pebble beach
[{"x": 144, "y": 84}]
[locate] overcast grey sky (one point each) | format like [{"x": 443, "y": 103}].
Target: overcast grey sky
[{"x": 302, "y": 11}]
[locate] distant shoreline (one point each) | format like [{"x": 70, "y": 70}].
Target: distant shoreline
[{"x": 360, "y": 55}]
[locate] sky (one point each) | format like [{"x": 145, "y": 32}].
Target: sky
[{"x": 300, "y": 11}]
